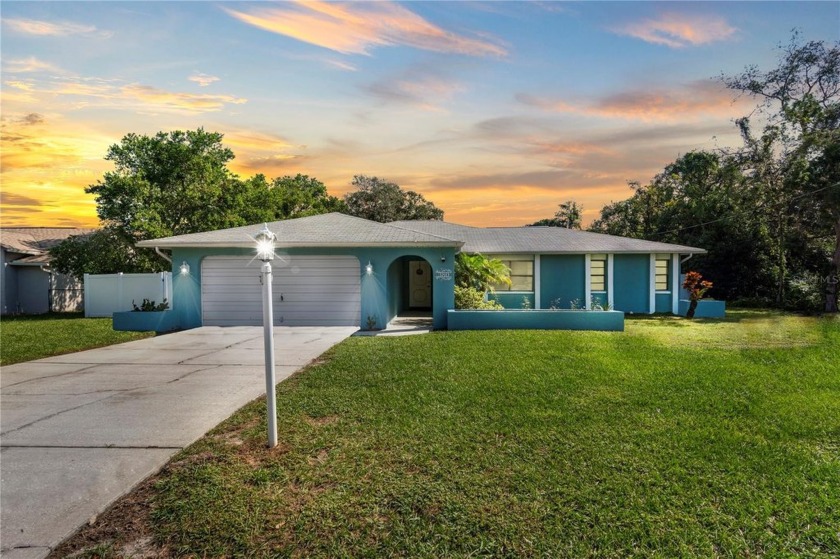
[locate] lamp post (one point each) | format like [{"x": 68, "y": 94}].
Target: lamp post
[{"x": 265, "y": 252}]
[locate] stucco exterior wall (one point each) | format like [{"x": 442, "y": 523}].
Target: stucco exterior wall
[
  {"x": 632, "y": 283},
  {"x": 378, "y": 298},
  {"x": 562, "y": 277}
]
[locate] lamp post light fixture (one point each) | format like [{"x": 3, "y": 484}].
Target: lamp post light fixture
[{"x": 265, "y": 252}]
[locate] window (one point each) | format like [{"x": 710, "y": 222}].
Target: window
[
  {"x": 521, "y": 273},
  {"x": 598, "y": 272},
  {"x": 663, "y": 272}
]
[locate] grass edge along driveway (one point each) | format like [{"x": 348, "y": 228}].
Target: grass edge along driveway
[
  {"x": 28, "y": 337},
  {"x": 675, "y": 438}
]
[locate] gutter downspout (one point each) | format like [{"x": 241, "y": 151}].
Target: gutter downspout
[
  {"x": 683, "y": 261},
  {"x": 162, "y": 255}
]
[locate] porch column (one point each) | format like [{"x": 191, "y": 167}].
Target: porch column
[
  {"x": 675, "y": 284},
  {"x": 652, "y": 284},
  {"x": 537, "y": 281},
  {"x": 610, "y": 299},
  {"x": 587, "y": 290}
]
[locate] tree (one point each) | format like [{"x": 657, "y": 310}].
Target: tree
[
  {"x": 696, "y": 287},
  {"x": 795, "y": 158},
  {"x": 284, "y": 198},
  {"x": 105, "y": 251},
  {"x": 175, "y": 183},
  {"x": 379, "y": 200},
  {"x": 701, "y": 199},
  {"x": 167, "y": 184},
  {"x": 568, "y": 215}
]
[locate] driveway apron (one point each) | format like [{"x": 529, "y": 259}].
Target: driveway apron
[{"x": 78, "y": 431}]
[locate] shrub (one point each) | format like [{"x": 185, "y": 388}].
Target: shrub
[
  {"x": 150, "y": 306},
  {"x": 471, "y": 298}
]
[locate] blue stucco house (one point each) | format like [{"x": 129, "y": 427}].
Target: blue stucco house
[{"x": 335, "y": 269}]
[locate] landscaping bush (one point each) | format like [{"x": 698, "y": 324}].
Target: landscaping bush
[{"x": 471, "y": 298}]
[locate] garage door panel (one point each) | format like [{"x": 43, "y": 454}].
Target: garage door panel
[{"x": 315, "y": 291}]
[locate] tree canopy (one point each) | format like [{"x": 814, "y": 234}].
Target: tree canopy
[
  {"x": 383, "y": 201},
  {"x": 175, "y": 183},
  {"x": 569, "y": 215}
]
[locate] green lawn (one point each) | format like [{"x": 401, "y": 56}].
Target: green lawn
[
  {"x": 23, "y": 338},
  {"x": 672, "y": 439}
]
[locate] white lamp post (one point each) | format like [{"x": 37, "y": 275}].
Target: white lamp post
[{"x": 265, "y": 252}]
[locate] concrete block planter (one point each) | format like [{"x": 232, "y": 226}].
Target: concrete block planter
[
  {"x": 521, "y": 319},
  {"x": 134, "y": 321},
  {"x": 706, "y": 308}
]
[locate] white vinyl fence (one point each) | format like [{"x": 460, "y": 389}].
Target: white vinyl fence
[{"x": 106, "y": 294}]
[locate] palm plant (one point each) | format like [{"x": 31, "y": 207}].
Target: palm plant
[{"x": 480, "y": 272}]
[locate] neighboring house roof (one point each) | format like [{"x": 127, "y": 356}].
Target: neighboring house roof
[
  {"x": 544, "y": 240},
  {"x": 325, "y": 230},
  {"x": 36, "y": 240}
]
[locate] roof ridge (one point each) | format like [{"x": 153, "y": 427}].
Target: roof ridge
[{"x": 423, "y": 232}]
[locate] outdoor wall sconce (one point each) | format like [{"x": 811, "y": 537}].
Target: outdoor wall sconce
[
  {"x": 443, "y": 259},
  {"x": 185, "y": 268},
  {"x": 369, "y": 268}
]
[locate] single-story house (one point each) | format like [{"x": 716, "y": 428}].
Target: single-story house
[
  {"x": 27, "y": 283},
  {"x": 334, "y": 269}
]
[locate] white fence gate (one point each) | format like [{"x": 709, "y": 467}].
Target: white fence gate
[{"x": 106, "y": 294}]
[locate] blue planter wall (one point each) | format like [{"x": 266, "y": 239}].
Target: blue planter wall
[
  {"x": 707, "y": 308},
  {"x": 156, "y": 321},
  {"x": 512, "y": 299},
  {"x": 536, "y": 320}
]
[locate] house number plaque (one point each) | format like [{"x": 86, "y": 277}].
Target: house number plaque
[{"x": 443, "y": 274}]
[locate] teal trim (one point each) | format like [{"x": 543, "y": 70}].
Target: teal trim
[
  {"x": 562, "y": 277},
  {"x": 536, "y": 320},
  {"x": 512, "y": 299},
  {"x": 157, "y": 321},
  {"x": 663, "y": 302},
  {"x": 379, "y": 290},
  {"x": 706, "y": 308},
  {"x": 631, "y": 283}
]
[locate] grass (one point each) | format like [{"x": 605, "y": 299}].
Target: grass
[
  {"x": 672, "y": 439},
  {"x": 23, "y": 338}
]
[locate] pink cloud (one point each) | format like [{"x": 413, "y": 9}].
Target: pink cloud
[
  {"x": 357, "y": 28},
  {"x": 678, "y": 30}
]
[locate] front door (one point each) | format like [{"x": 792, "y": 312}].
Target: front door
[{"x": 419, "y": 284}]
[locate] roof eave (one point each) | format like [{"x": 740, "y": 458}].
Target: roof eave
[{"x": 228, "y": 244}]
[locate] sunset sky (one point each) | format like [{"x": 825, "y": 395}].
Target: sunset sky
[{"x": 495, "y": 111}]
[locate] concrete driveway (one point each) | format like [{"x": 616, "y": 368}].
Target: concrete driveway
[{"x": 79, "y": 430}]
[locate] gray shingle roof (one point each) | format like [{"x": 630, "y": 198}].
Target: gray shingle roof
[
  {"x": 36, "y": 240},
  {"x": 339, "y": 230},
  {"x": 544, "y": 240},
  {"x": 326, "y": 230}
]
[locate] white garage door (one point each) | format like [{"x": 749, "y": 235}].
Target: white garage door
[{"x": 308, "y": 291}]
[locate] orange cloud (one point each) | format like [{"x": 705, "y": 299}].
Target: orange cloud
[
  {"x": 678, "y": 30},
  {"x": 45, "y": 167},
  {"x": 696, "y": 100},
  {"x": 356, "y": 28},
  {"x": 47, "y": 28},
  {"x": 179, "y": 101}
]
